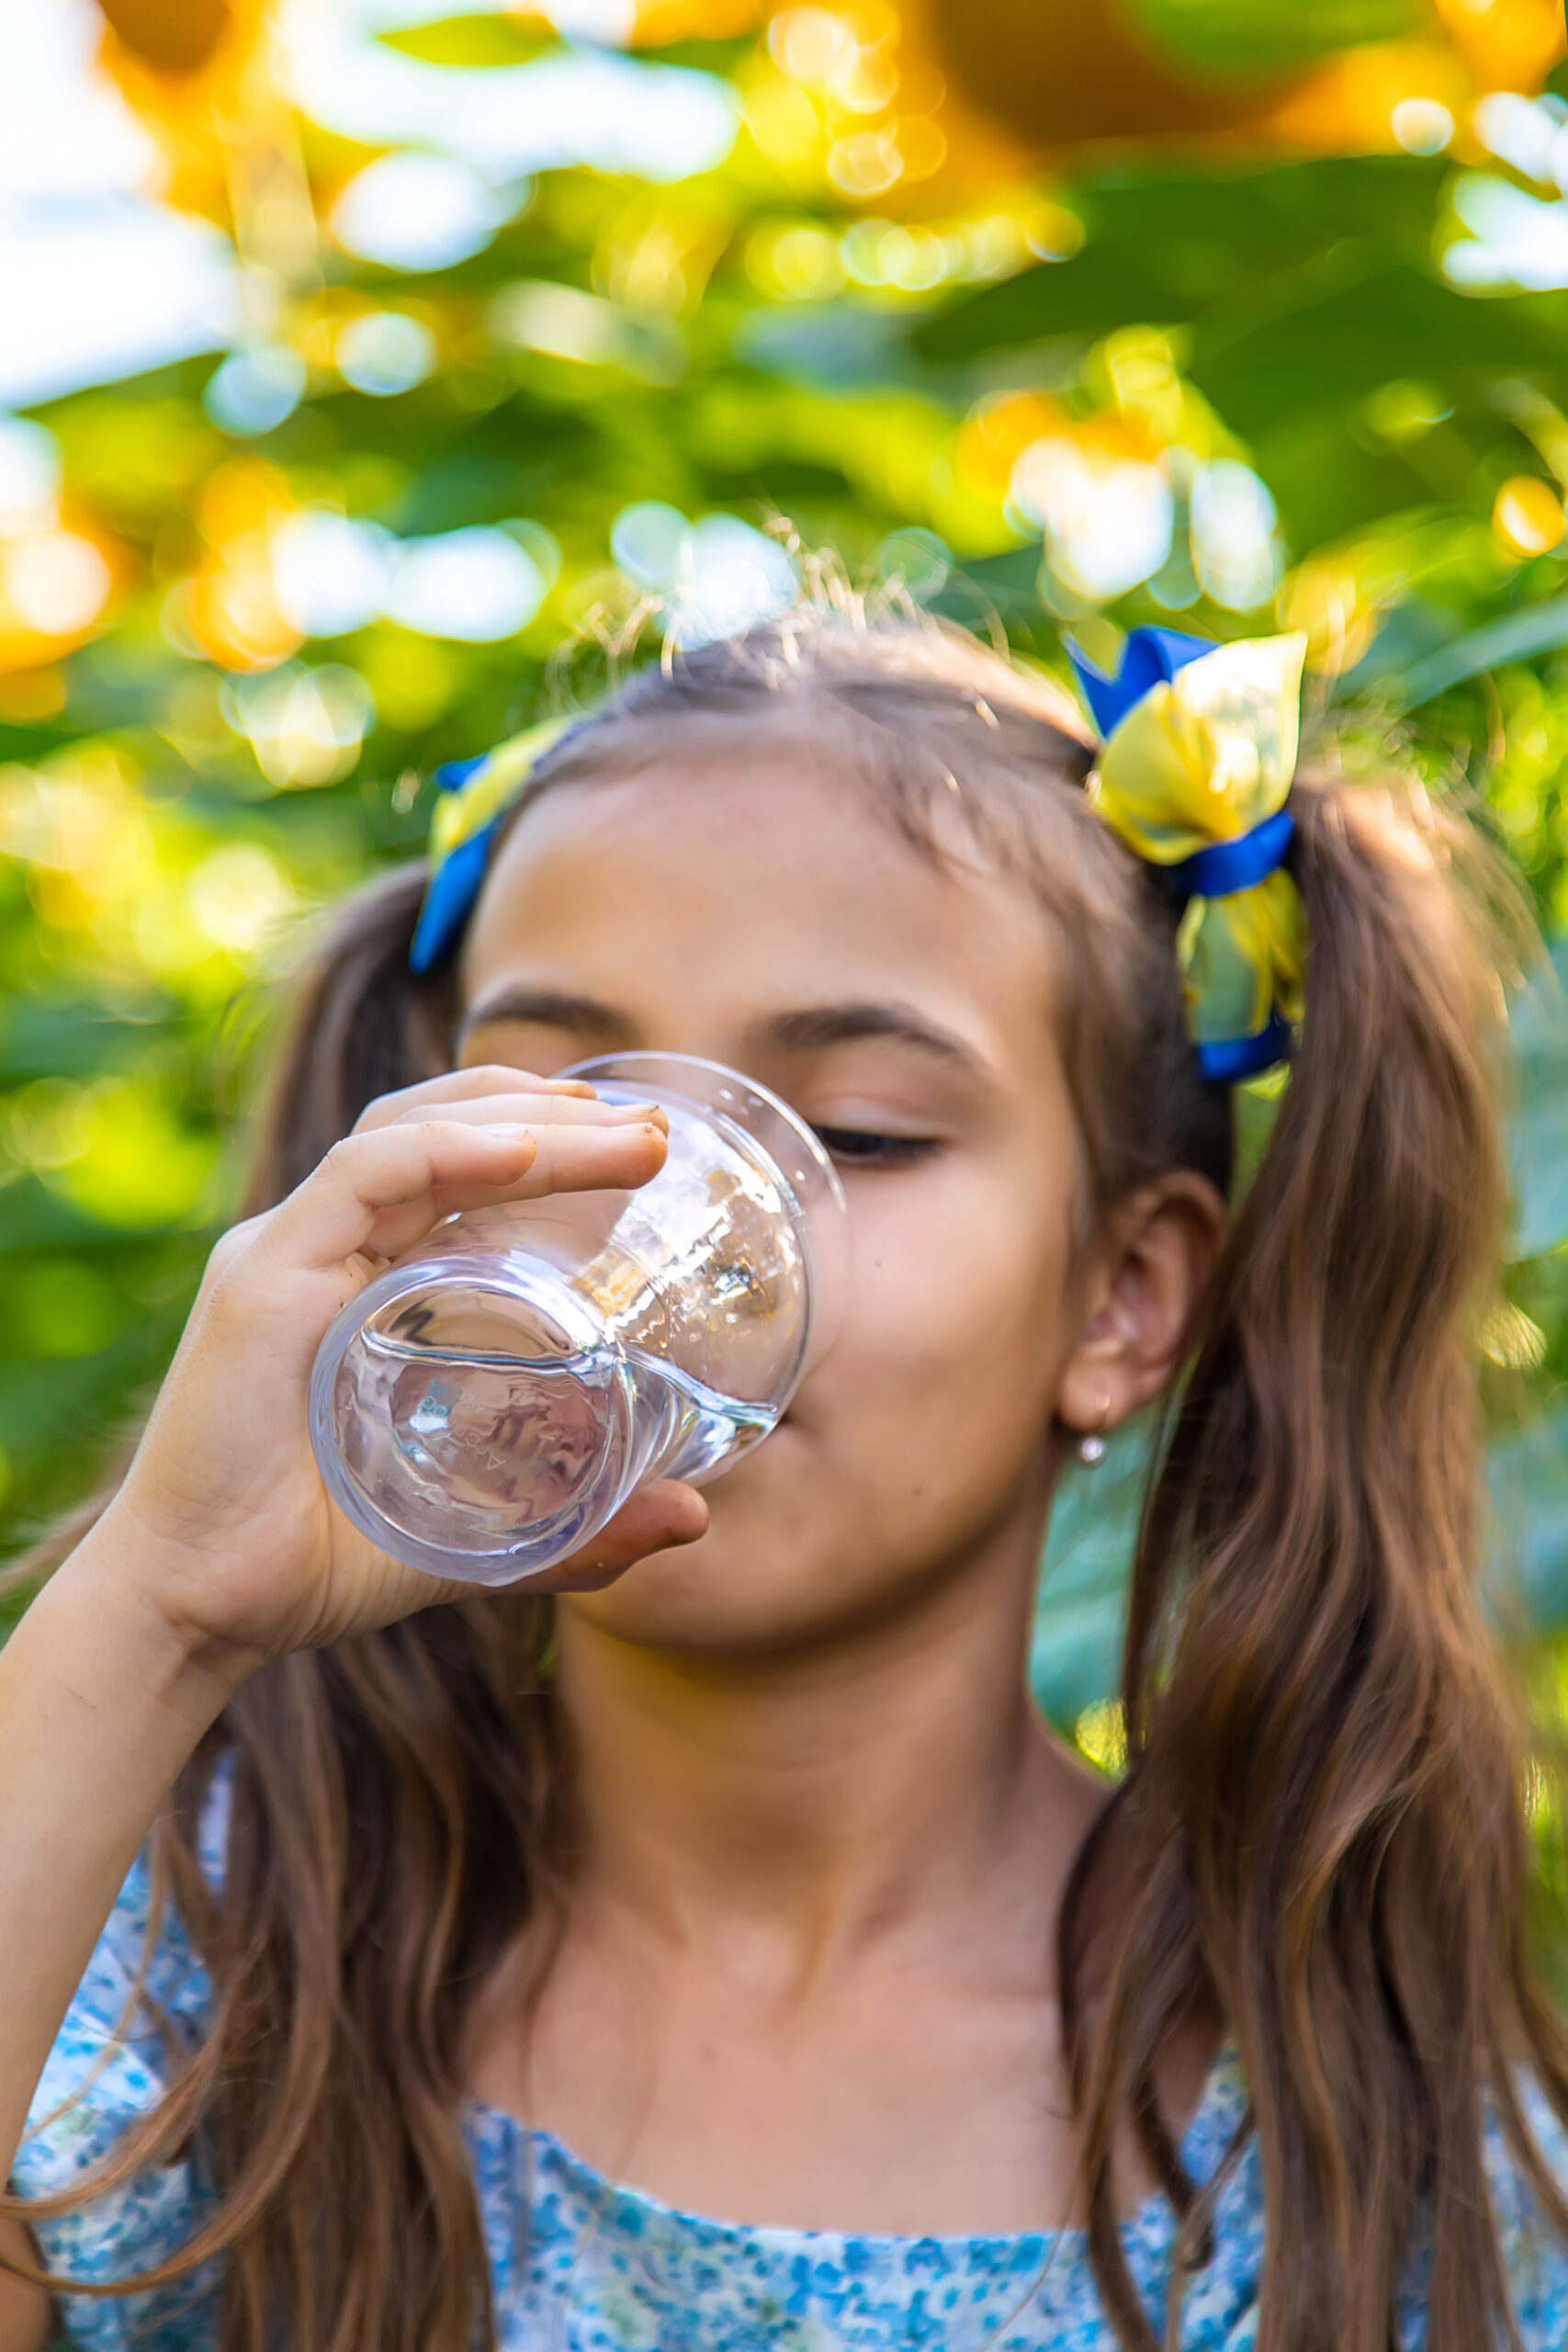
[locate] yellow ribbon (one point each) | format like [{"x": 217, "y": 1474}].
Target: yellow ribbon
[
  {"x": 497, "y": 781},
  {"x": 1203, "y": 758}
]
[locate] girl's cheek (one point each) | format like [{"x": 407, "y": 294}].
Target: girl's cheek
[{"x": 967, "y": 1279}]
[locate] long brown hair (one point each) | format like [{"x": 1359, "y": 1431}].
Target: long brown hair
[{"x": 1319, "y": 1838}]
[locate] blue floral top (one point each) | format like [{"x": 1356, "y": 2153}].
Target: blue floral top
[{"x": 581, "y": 2265}]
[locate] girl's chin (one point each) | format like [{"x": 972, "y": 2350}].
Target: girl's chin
[{"x": 723, "y": 1596}]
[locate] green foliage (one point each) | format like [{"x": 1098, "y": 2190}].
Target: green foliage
[
  {"x": 1078, "y": 1617},
  {"x": 1236, "y": 37},
  {"x": 471, "y": 41}
]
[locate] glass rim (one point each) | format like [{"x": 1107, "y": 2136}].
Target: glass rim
[{"x": 700, "y": 1098}]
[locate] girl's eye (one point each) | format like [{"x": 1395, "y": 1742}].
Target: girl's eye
[{"x": 860, "y": 1148}]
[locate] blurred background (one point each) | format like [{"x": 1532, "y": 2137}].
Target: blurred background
[{"x": 369, "y": 373}]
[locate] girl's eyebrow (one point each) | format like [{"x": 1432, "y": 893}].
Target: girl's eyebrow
[
  {"x": 580, "y": 1016},
  {"x": 815, "y": 1028}
]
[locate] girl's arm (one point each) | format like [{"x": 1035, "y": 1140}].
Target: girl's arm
[
  {"x": 26, "y": 2318},
  {"x": 221, "y": 1550},
  {"x": 101, "y": 1703}
]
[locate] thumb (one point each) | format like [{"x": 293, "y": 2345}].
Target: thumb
[{"x": 658, "y": 1518}]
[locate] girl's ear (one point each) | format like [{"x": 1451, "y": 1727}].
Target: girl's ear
[{"x": 1157, "y": 1254}]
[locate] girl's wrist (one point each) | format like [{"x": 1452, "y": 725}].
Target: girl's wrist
[{"x": 120, "y": 1594}]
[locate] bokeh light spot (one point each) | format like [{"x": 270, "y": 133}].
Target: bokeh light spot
[
  {"x": 1531, "y": 134},
  {"x": 646, "y": 541},
  {"x": 385, "y": 352},
  {"x": 329, "y": 574},
  {"x": 1422, "y": 126},
  {"x": 867, "y": 164},
  {"x": 1233, "y": 547},
  {"x": 417, "y": 211},
  {"x": 1517, "y": 239},
  {"x": 712, "y": 579},
  {"x": 1528, "y": 515},
  {"x": 255, "y": 390},
  {"x": 238, "y": 895},
  {"x": 476, "y": 586},
  {"x": 811, "y": 44},
  {"x": 305, "y": 726},
  {"x": 56, "y": 583},
  {"x": 1106, "y": 518},
  {"x": 916, "y": 561}
]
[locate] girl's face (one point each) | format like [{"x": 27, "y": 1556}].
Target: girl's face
[{"x": 770, "y": 918}]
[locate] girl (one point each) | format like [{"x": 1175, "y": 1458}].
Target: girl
[{"x": 472, "y": 1948}]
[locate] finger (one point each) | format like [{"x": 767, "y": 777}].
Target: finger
[
  {"x": 566, "y": 1161},
  {"x": 661, "y": 1518},
  {"x": 439, "y": 1162},
  {"x": 591, "y": 1159},
  {"x": 459, "y": 1085},
  {"x": 332, "y": 1215},
  {"x": 535, "y": 1111}
]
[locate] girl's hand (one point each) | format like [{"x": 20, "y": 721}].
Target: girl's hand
[{"x": 223, "y": 1516}]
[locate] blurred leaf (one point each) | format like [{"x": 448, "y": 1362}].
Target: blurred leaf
[
  {"x": 1236, "y": 37},
  {"x": 1529, "y": 1484},
  {"x": 59, "y": 1306},
  {"x": 1079, "y": 1612},
  {"x": 1353, "y": 322},
  {"x": 1538, "y": 1022},
  {"x": 1539, "y": 628},
  {"x": 1169, "y": 247},
  {"x": 473, "y": 40}
]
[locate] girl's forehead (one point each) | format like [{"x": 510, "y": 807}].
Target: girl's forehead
[
  {"x": 782, "y": 830},
  {"x": 782, "y": 877}
]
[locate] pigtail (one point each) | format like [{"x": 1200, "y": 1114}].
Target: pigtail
[
  {"x": 1319, "y": 1840},
  {"x": 360, "y": 1024}
]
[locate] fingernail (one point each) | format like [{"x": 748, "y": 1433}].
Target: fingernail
[
  {"x": 571, "y": 1086},
  {"x": 637, "y": 1110}
]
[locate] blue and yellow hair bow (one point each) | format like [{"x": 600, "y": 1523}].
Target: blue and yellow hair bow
[
  {"x": 472, "y": 798},
  {"x": 1198, "y": 755}
]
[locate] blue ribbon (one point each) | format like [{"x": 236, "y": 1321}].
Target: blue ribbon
[
  {"x": 1219, "y": 872},
  {"x": 1228, "y": 1059},
  {"x": 1149, "y": 658},
  {"x": 1226, "y": 868},
  {"x": 450, "y": 900},
  {"x": 455, "y": 773},
  {"x": 455, "y": 885}
]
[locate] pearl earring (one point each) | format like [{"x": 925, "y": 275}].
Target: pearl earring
[{"x": 1091, "y": 1445}]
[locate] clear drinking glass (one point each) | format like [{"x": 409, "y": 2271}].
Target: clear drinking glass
[{"x": 493, "y": 1399}]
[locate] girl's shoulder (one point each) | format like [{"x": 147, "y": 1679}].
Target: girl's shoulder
[
  {"x": 144, "y": 1996},
  {"x": 1221, "y": 2307}
]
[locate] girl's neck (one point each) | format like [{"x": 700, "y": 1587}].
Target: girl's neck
[
  {"x": 776, "y": 1814},
  {"x": 805, "y": 1973}
]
